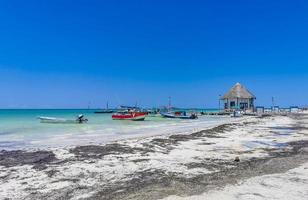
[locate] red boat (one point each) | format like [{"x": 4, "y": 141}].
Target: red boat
[{"x": 130, "y": 115}]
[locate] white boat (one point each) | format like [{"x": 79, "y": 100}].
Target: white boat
[
  {"x": 179, "y": 115},
  {"x": 79, "y": 120},
  {"x": 236, "y": 113}
]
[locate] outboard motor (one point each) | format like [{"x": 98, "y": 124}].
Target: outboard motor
[
  {"x": 81, "y": 119},
  {"x": 194, "y": 116}
]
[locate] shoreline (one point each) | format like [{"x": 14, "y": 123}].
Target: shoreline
[
  {"x": 157, "y": 166},
  {"x": 125, "y": 130}
]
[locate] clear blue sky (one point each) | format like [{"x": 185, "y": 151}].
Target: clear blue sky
[{"x": 64, "y": 54}]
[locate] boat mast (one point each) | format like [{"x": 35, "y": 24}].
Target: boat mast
[
  {"x": 89, "y": 104},
  {"x": 169, "y": 105}
]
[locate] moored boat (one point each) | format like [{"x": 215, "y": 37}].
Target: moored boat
[
  {"x": 179, "y": 115},
  {"x": 104, "y": 111},
  {"x": 130, "y": 113},
  {"x": 153, "y": 112},
  {"x": 53, "y": 120}
]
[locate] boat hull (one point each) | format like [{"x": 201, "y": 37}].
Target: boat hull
[
  {"x": 129, "y": 116},
  {"x": 168, "y": 115},
  {"x": 173, "y": 116},
  {"x": 104, "y": 112},
  {"x": 57, "y": 120}
]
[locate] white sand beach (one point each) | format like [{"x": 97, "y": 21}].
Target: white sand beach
[{"x": 172, "y": 166}]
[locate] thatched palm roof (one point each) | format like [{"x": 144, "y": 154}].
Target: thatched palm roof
[{"x": 238, "y": 91}]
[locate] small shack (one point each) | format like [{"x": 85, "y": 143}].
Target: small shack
[{"x": 238, "y": 97}]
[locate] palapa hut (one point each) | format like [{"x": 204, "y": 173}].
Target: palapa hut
[{"x": 238, "y": 98}]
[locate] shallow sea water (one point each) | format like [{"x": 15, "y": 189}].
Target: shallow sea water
[{"x": 21, "y": 129}]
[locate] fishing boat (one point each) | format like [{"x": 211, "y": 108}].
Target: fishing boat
[
  {"x": 153, "y": 112},
  {"x": 104, "y": 111},
  {"x": 129, "y": 113},
  {"x": 179, "y": 115},
  {"x": 53, "y": 120}
]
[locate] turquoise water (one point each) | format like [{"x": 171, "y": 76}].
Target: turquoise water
[{"x": 22, "y": 129}]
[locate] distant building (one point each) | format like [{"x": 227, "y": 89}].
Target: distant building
[
  {"x": 294, "y": 109},
  {"x": 238, "y": 98}
]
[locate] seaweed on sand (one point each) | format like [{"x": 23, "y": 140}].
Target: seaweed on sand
[
  {"x": 38, "y": 159},
  {"x": 97, "y": 151}
]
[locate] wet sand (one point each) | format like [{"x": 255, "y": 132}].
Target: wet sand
[{"x": 159, "y": 167}]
